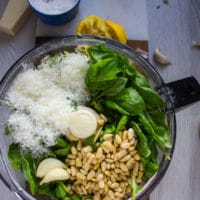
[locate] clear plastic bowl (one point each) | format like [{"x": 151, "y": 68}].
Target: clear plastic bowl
[{"x": 14, "y": 179}]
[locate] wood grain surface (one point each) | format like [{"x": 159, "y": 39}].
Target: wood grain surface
[{"x": 172, "y": 27}]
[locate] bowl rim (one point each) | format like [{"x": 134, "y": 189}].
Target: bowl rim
[
  {"x": 54, "y": 15},
  {"x": 157, "y": 177}
]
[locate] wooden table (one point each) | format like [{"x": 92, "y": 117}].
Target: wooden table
[{"x": 172, "y": 28}]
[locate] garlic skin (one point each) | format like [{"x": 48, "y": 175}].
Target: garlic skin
[
  {"x": 56, "y": 174},
  {"x": 47, "y": 165},
  {"x": 160, "y": 58}
]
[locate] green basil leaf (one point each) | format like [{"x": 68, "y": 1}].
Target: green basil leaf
[
  {"x": 97, "y": 105},
  {"x": 162, "y": 138},
  {"x": 63, "y": 152},
  {"x": 130, "y": 101},
  {"x": 114, "y": 87},
  {"x": 150, "y": 96},
  {"x": 62, "y": 143},
  {"x": 158, "y": 116},
  {"x": 161, "y": 131},
  {"x": 28, "y": 170},
  {"x": 109, "y": 129},
  {"x": 140, "y": 80},
  {"x": 100, "y": 73},
  {"x": 8, "y": 130},
  {"x": 112, "y": 105},
  {"x": 150, "y": 167},
  {"x": 142, "y": 146},
  {"x": 100, "y": 52},
  {"x": 122, "y": 123},
  {"x": 14, "y": 156},
  {"x": 89, "y": 141}
]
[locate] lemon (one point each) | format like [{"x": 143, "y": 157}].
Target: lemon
[
  {"x": 116, "y": 31},
  {"x": 93, "y": 25},
  {"x": 96, "y": 26}
]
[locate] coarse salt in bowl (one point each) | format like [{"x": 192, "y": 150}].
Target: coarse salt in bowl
[{"x": 55, "y": 12}]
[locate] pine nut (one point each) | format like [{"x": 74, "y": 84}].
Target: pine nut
[
  {"x": 123, "y": 167},
  {"x": 130, "y": 133},
  {"x": 114, "y": 185},
  {"x": 120, "y": 154},
  {"x": 125, "y": 145},
  {"x": 99, "y": 177},
  {"x": 118, "y": 139},
  {"x": 73, "y": 150},
  {"x": 86, "y": 149},
  {"x": 129, "y": 163},
  {"x": 126, "y": 158},
  {"x": 80, "y": 176},
  {"x": 107, "y": 137},
  {"x": 107, "y": 173},
  {"x": 90, "y": 175},
  {"x": 137, "y": 157},
  {"x": 73, "y": 171},
  {"x": 99, "y": 153},
  {"x": 96, "y": 196},
  {"x": 78, "y": 162},
  {"x": 124, "y": 135},
  {"x": 101, "y": 184},
  {"x": 111, "y": 194}
]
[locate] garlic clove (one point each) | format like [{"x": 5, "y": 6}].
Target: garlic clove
[
  {"x": 160, "y": 58},
  {"x": 47, "y": 165},
  {"x": 56, "y": 174},
  {"x": 196, "y": 44},
  {"x": 82, "y": 123},
  {"x": 90, "y": 110}
]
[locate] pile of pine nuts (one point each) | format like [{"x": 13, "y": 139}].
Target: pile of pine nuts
[{"x": 104, "y": 173}]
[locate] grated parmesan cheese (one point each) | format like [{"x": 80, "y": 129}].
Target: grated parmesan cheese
[{"x": 43, "y": 97}]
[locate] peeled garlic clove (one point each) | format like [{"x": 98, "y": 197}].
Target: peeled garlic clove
[
  {"x": 48, "y": 164},
  {"x": 160, "y": 58},
  {"x": 56, "y": 174},
  {"x": 82, "y": 123},
  {"x": 196, "y": 44},
  {"x": 90, "y": 110}
]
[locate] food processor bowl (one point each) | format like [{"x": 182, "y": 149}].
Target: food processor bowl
[{"x": 14, "y": 179}]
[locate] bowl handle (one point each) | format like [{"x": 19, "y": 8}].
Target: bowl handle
[{"x": 183, "y": 92}]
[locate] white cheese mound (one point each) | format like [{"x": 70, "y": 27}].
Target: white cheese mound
[{"x": 43, "y": 97}]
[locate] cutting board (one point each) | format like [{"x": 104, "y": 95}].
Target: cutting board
[{"x": 131, "y": 14}]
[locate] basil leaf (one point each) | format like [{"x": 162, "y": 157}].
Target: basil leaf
[
  {"x": 130, "y": 101},
  {"x": 112, "y": 105},
  {"x": 14, "y": 156},
  {"x": 62, "y": 143},
  {"x": 114, "y": 87},
  {"x": 150, "y": 166},
  {"x": 150, "y": 96},
  {"x": 100, "y": 52},
  {"x": 140, "y": 80},
  {"x": 122, "y": 123},
  {"x": 142, "y": 146},
  {"x": 28, "y": 169},
  {"x": 89, "y": 141},
  {"x": 100, "y": 73},
  {"x": 8, "y": 130},
  {"x": 109, "y": 129},
  {"x": 63, "y": 152},
  {"x": 162, "y": 131},
  {"x": 160, "y": 137}
]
